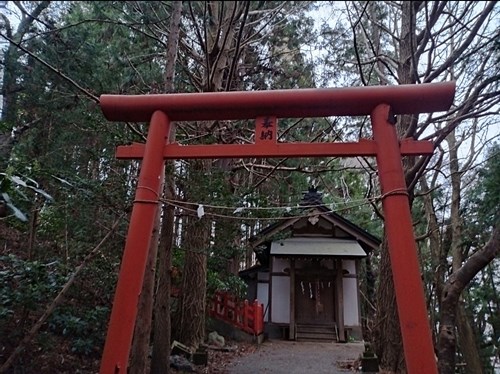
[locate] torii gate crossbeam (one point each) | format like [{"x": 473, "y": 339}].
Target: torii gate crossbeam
[{"x": 381, "y": 103}]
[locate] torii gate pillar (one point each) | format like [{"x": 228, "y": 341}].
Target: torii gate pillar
[{"x": 380, "y": 102}]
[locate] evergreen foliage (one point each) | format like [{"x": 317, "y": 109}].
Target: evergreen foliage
[{"x": 61, "y": 186}]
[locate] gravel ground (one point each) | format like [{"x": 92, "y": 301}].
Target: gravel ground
[{"x": 290, "y": 357}]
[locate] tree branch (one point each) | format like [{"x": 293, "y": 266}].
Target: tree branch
[
  {"x": 451, "y": 294},
  {"x": 53, "y": 69},
  {"x": 457, "y": 52}
]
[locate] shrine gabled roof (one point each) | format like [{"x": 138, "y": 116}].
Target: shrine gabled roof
[{"x": 312, "y": 200}]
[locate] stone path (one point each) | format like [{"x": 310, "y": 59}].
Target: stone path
[{"x": 290, "y": 357}]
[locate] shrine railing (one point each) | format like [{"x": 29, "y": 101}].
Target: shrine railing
[{"x": 244, "y": 315}]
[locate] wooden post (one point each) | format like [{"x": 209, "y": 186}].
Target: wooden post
[
  {"x": 133, "y": 266},
  {"x": 410, "y": 298},
  {"x": 258, "y": 316},
  {"x": 339, "y": 288},
  {"x": 292, "y": 299}
]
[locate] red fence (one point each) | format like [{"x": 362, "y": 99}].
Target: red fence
[{"x": 246, "y": 316}]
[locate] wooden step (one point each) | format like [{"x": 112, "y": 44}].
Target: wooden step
[{"x": 316, "y": 332}]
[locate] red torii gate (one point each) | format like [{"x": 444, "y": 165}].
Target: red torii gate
[{"x": 382, "y": 103}]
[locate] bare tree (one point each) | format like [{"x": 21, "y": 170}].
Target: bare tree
[
  {"x": 450, "y": 300},
  {"x": 420, "y": 42}
]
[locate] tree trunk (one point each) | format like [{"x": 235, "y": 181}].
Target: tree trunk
[
  {"x": 455, "y": 219},
  {"x": 219, "y": 45},
  {"x": 387, "y": 332},
  {"x": 10, "y": 86},
  {"x": 438, "y": 255},
  {"x": 451, "y": 294},
  {"x": 389, "y": 344},
  {"x": 467, "y": 346},
  {"x": 467, "y": 342},
  {"x": 142, "y": 333},
  {"x": 190, "y": 317},
  {"x": 193, "y": 294},
  {"x": 160, "y": 361}
]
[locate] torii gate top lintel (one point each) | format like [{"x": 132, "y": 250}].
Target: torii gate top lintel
[
  {"x": 380, "y": 102},
  {"x": 294, "y": 103}
]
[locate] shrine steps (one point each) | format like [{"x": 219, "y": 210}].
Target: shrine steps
[{"x": 308, "y": 332}]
